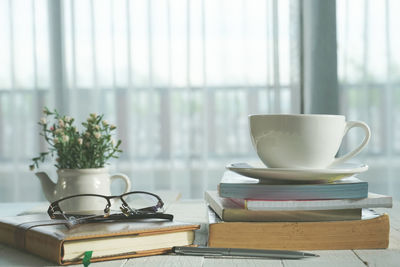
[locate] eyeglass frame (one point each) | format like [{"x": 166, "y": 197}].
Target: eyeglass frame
[{"x": 125, "y": 208}]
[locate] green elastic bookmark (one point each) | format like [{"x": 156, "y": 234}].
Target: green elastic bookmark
[{"x": 86, "y": 258}]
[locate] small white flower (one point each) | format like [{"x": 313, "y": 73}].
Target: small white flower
[
  {"x": 97, "y": 135},
  {"x": 58, "y": 131},
  {"x": 55, "y": 140},
  {"x": 93, "y": 115},
  {"x": 112, "y": 127},
  {"x": 105, "y": 123},
  {"x": 43, "y": 121},
  {"x": 97, "y": 127},
  {"x": 87, "y": 134},
  {"x": 61, "y": 123},
  {"x": 65, "y": 138},
  {"x": 80, "y": 141},
  {"x": 113, "y": 142},
  {"x": 67, "y": 118}
]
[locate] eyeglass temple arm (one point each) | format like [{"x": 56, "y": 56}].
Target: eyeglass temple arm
[
  {"x": 139, "y": 216},
  {"x": 53, "y": 208}
]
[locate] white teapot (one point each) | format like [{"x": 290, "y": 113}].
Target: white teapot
[{"x": 80, "y": 181}]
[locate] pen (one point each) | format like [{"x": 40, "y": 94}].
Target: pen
[{"x": 239, "y": 252}]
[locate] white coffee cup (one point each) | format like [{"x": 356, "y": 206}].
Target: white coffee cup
[{"x": 301, "y": 140}]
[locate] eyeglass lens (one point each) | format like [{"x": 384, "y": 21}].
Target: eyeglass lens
[{"x": 139, "y": 201}]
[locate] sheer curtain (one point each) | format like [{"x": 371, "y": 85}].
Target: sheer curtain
[
  {"x": 369, "y": 75},
  {"x": 177, "y": 77}
]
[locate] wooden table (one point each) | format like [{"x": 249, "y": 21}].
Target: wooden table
[{"x": 195, "y": 211}]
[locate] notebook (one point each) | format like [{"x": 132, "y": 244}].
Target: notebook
[
  {"x": 232, "y": 211},
  {"x": 237, "y": 186},
  {"x": 108, "y": 241}
]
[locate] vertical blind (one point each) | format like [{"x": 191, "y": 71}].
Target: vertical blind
[{"x": 177, "y": 77}]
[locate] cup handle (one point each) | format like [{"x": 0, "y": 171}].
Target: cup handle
[
  {"x": 349, "y": 125},
  {"x": 124, "y": 178}
]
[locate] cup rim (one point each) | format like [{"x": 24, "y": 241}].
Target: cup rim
[{"x": 297, "y": 115}]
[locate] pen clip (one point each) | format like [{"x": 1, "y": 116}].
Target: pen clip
[
  {"x": 193, "y": 252},
  {"x": 207, "y": 254}
]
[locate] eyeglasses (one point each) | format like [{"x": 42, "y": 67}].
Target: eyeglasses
[{"x": 135, "y": 205}]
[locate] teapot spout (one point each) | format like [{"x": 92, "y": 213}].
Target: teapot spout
[{"x": 48, "y": 186}]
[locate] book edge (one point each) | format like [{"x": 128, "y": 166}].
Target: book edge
[{"x": 382, "y": 219}]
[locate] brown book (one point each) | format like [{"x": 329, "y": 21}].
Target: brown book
[
  {"x": 108, "y": 241},
  {"x": 231, "y": 211},
  {"x": 371, "y": 232}
]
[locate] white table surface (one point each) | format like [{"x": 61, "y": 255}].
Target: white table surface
[{"x": 195, "y": 211}]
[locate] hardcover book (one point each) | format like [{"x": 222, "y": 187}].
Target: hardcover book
[
  {"x": 231, "y": 211},
  {"x": 370, "y": 232},
  {"x": 108, "y": 241},
  {"x": 234, "y": 185}
]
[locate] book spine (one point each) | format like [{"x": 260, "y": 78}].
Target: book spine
[
  {"x": 358, "y": 234},
  {"x": 46, "y": 247},
  {"x": 348, "y": 191},
  {"x": 238, "y": 215},
  {"x": 328, "y": 204}
]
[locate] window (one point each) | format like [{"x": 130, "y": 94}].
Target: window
[
  {"x": 177, "y": 77},
  {"x": 368, "y": 65}
]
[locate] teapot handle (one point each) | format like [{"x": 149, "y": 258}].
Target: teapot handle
[{"x": 124, "y": 178}]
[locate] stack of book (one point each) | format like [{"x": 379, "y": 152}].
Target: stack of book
[{"x": 250, "y": 213}]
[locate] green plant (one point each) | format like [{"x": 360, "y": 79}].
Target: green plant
[{"x": 91, "y": 148}]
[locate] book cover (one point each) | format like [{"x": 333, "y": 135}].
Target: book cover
[
  {"x": 234, "y": 185},
  {"x": 230, "y": 211},
  {"x": 372, "y": 201},
  {"x": 371, "y": 232},
  {"x": 108, "y": 241}
]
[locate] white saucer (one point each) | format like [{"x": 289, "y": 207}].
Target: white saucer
[{"x": 297, "y": 174}]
